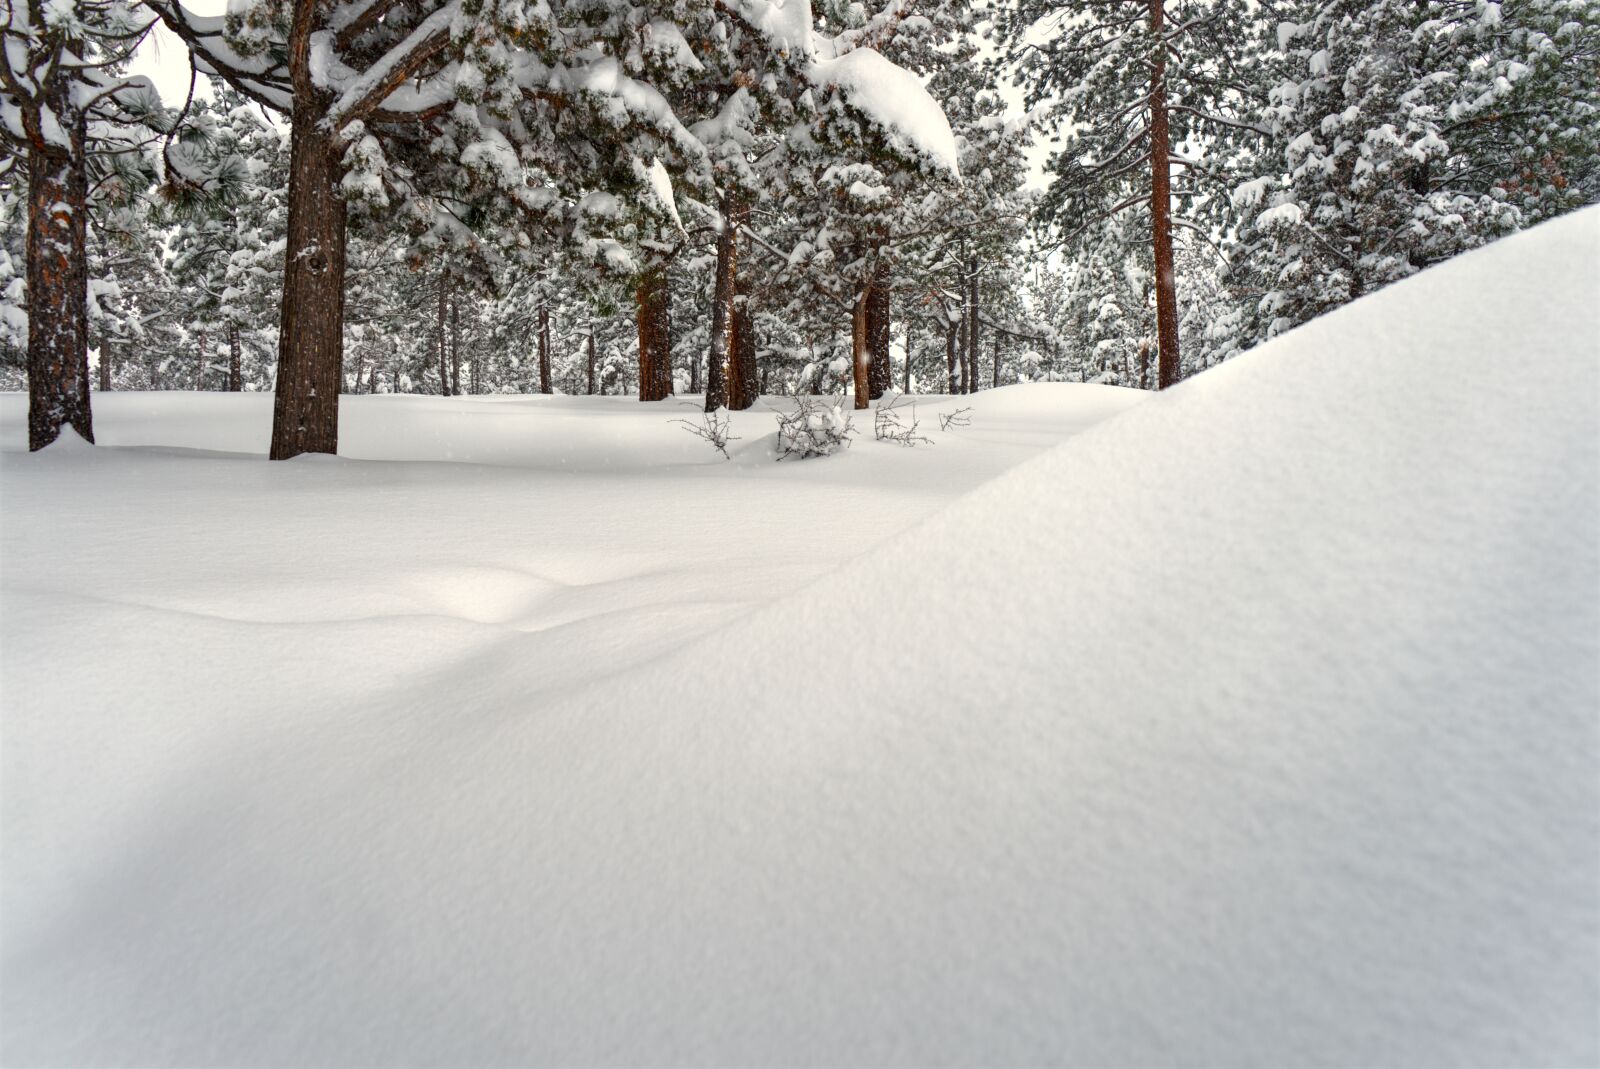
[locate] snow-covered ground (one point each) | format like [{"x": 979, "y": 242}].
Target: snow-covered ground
[{"x": 1259, "y": 724}]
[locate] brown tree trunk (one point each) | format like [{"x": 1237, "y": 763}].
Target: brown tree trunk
[
  {"x": 105, "y": 361},
  {"x": 995, "y": 380},
  {"x": 950, "y": 330},
  {"x": 880, "y": 376},
  {"x": 655, "y": 353},
  {"x": 202, "y": 343},
  {"x": 907, "y": 387},
  {"x": 444, "y": 336},
  {"x": 1161, "y": 213},
  {"x": 305, "y": 413},
  {"x": 58, "y": 287},
  {"x": 235, "y": 362},
  {"x": 970, "y": 373},
  {"x": 544, "y": 347},
  {"x": 720, "y": 352},
  {"x": 744, "y": 386},
  {"x": 455, "y": 347},
  {"x": 590, "y": 383},
  {"x": 860, "y": 357}
]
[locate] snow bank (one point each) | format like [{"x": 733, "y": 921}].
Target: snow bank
[{"x": 1254, "y": 726}]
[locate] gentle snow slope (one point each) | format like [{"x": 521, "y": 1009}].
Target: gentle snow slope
[{"x": 1255, "y": 726}]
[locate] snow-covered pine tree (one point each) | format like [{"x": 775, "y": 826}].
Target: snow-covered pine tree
[
  {"x": 1404, "y": 132},
  {"x": 1129, "y": 83},
  {"x": 74, "y": 120}
]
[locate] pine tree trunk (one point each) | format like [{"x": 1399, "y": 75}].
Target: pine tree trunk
[
  {"x": 590, "y": 384},
  {"x": 655, "y": 355},
  {"x": 860, "y": 357},
  {"x": 720, "y": 352},
  {"x": 58, "y": 286},
  {"x": 305, "y": 414},
  {"x": 950, "y": 329},
  {"x": 444, "y": 338},
  {"x": 969, "y": 374},
  {"x": 235, "y": 362},
  {"x": 995, "y": 380},
  {"x": 455, "y": 347},
  {"x": 544, "y": 348},
  {"x": 1161, "y": 213},
  {"x": 105, "y": 361},
  {"x": 202, "y": 343},
  {"x": 744, "y": 386},
  {"x": 907, "y": 387},
  {"x": 880, "y": 375}
]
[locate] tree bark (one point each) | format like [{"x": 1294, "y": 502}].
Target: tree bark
[
  {"x": 720, "y": 352},
  {"x": 202, "y": 343},
  {"x": 58, "y": 284},
  {"x": 655, "y": 353},
  {"x": 305, "y": 414},
  {"x": 455, "y": 346},
  {"x": 235, "y": 361},
  {"x": 1161, "y": 212},
  {"x": 105, "y": 361},
  {"x": 544, "y": 347},
  {"x": 744, "y": 386},
  {"x": 950, "y": 331},
  {"x": 590, "y": 384},
  {"x": 880, "y": 375},
  {"x": 969, "y": 376},
  {"x": 860, "y": 356},
  {"x": 907, "y": 387},
  {"x": 995, "y": 379},
  {"x": 444, "y": 338}
]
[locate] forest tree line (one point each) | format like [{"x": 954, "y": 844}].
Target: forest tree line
[{"x": 745, "y": 198}]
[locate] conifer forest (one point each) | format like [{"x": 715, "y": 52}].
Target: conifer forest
[{"x": 800, "y": 532}]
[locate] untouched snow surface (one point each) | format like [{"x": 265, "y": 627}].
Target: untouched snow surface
[{"x": 1257, "y": 725}]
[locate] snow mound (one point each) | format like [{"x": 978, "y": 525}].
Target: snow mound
[
  {"x": 1254, "y": 726},
  {"x": 1257, "y": 725}
]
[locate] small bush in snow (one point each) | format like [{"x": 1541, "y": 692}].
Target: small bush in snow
[
  {"x": 713, "y": 428},
  {"x": 892, "y": 424},
  {"x": 816, "y": 428},
  {"x": 961, "y": 417}
]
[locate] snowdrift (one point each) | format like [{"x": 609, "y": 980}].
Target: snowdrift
[{"x": 1255, "y": 726}]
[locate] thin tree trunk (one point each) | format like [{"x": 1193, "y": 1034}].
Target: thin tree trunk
[
  {"x": 1161, "y": 212},
  {"x": 444, "y": 339},
  {"x": 590, "y": 384},
  {"x": 907, "y": 387},
  {"x": 995, "y": 380},
  {"x": 744, "y": 385},
  {"x": 202, "y": 343},
  {"x": 720, "y": 352},
  {"x": 544, "y": 347},
  {"x": 950, "y": 330},
  {"x": 58, "y": 286},
  {"x": 455, "y": 347},
  {"x": 860, "y": 357},
  {"x": 105, "y": 361},
  {"x": 880, "y": 376},
  {"x": 305, "y": 414},
  {"x": 235, "y": 361},
  {"x": 970, "y": 372}
]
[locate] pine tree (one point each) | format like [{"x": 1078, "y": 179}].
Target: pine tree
[{"x": 67, "y": 110}]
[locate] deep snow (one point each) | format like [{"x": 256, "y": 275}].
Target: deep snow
[{"x": 1257, "y": 725}]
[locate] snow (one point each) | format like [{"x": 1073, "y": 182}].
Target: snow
[
  {"x": 1256, "y": 725},
  {"x": 661, "y": 188},
  {"x": 895, "y": 99}
]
